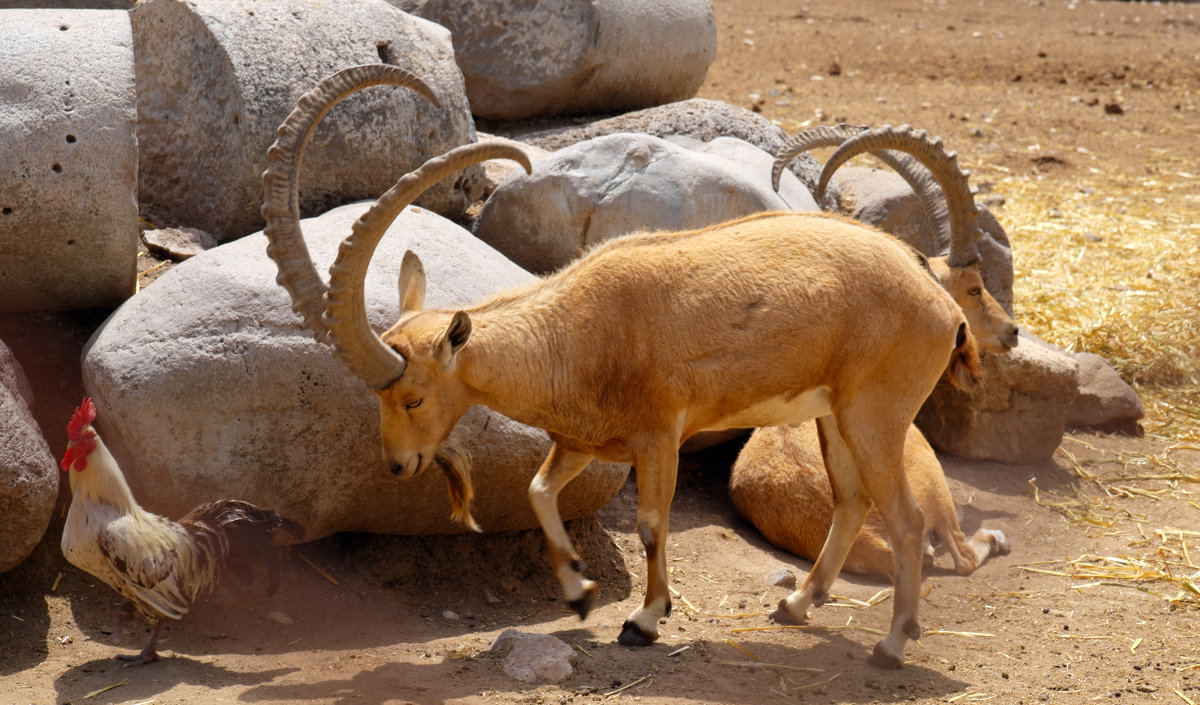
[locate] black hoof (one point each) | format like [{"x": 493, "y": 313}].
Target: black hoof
[
  {"x": 583, "y": 605},
  {"x": 632, "y": 635},
  {"x": 881, "y": 659}
]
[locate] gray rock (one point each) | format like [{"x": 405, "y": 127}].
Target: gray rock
[
  {"x": 614, "y": 185},
  {"x": 700, "y": 118},
  {"x": 534, "y": 657},
  {"x": 28, "y": 472},
  {"x": 216, "y": 78},
  {"x": 178, "y": 243},
  {"x": 1016, "y": 415},
  {"x": 781, "y": 577},
  {"x": 68, "y": 160},
  {"x": 207, "y": 387},
  {"x": 884, "y": 199},
  {"x": 1105, "y": 401},
  {"x": 496, "y": 171},
  {"x": 571, "y": 57}
]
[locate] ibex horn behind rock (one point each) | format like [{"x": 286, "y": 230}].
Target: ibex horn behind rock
[{"x": 772, "y": 319}]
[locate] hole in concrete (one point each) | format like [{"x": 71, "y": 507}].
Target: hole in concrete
[
  {"x": 70, "y": 139},
  {"x": 70, "y": 242},
  {"x": 57, "y": 168},
  {"x": 381, "y": 47},
  {"x": 6, "y": 210},
  {"x": 62, "y": 28}
]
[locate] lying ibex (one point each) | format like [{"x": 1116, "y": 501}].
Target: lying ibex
[
  {"x": 778, "y": 482},
  {"x": 949, "y": 205},
  {"x": 773, "y": 319}
]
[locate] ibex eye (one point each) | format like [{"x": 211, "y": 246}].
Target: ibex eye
[
  {"x": 974, "y": 291},
  {"x": 413, "y": 404}
]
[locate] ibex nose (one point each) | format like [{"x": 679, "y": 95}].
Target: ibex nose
[{"x": 409, "y": 468}]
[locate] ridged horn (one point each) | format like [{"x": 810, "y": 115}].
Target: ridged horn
[
  {"x": 808, "y": 140},
  {"x": 942, "y": 165},
  {"x": 281, "y": 201},
  {"x": 354, "y": 341},
  {"x": 910, "y": 169}
]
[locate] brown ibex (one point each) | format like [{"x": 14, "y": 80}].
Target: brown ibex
[
  {"x": 779, "y": 483},
  {"x": 772, "y": 319},
  {"x": 781, "y": 466}
]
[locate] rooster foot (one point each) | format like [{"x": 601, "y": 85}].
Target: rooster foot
[{"x": 148, "y": 655}]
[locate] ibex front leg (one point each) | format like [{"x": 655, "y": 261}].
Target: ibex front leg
[
  {"x": 656, "y": 470},
  {"x": 561, "y": 466}
]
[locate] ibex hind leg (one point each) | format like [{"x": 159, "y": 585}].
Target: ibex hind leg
[
  {"x": 560, "y": 467},
  {"x": 879, "y": 455},
  {"x": 851, "y": 504},
  {"x": 656, "y": 471}
]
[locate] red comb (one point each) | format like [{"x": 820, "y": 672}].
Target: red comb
[{"x": 84, "y": 415}]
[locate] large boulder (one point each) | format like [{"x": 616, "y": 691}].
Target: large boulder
[
  {"x": 699, "y": 118},
  {"x": 610, "y": 186},
  {"x": 208, "y": 387},
  {"x": 1016, "y": 415},
  {"x": 28, "y": 473},
  {"x": 68, "y": 160},
  {"x": 884, "y": 199},
  {"x": 572, "y": 57},
  {"x": 215, "y": 79}
]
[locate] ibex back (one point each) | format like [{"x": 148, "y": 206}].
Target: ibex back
[{"x": 773, "y": 319}]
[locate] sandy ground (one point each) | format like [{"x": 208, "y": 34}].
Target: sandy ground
[{"x": 1087, "y": 607}]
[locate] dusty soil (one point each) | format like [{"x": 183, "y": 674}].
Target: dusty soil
[{"x": 1089, "y": 606}]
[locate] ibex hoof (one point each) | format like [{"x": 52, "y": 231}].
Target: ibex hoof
[
  {"x": 633, "y": 635},
  {"x": 881, "y": 658},
  {"x": 583, "y": 605},
  {"x": 782, "y": 615}
]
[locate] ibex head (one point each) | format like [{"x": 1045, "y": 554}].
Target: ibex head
[
  {"x": 418, "y": 410},
  {"x": 414, "y": 424},
  {"x": 939, "y": 182}
]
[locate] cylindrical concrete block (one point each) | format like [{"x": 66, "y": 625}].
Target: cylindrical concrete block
[
  {"x": 216, "y": 78},
  {"x": 568, "y": 57},
  {"x": 68, "y": 159}
]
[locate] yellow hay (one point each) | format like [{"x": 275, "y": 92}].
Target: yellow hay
[{"x": 1112, "y": 267}]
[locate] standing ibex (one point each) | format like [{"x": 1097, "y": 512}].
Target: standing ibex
[
  {"x": 773, "y": 319},
  {"x": 782, "y": 467}
]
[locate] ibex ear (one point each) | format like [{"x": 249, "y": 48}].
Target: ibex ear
[
  {"x": 456, "y": 336},
  {"x": 412, "y": 283}
]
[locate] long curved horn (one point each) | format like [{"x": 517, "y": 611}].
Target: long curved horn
[
  {"x": 354, "y": 342},
  {"x": 808, "y": 140},
  {"x": 927, "y": 190},
  {"x": 943, "y": 166},
  {"x": 281, "y": 200}
]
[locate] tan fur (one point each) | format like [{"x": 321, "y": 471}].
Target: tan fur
[
  {"x": 992, "y": 328},
  {"x": 779, "y": 483},
  {"x": 776, "y": 318}
]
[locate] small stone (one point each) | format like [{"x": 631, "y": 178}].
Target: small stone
[
  {"x": 178, "y": 243},
  {"x": 279, "y": 617},
  {"x": 450, "y": 614},
  {"x": 782, "y": 577}
]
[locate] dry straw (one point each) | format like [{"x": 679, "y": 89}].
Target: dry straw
[{"x": 1113, "y": 268}]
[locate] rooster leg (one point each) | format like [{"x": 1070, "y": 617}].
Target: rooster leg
[
  {"x": 148, "y": 655},
  {"x": 125, "y": 615}
]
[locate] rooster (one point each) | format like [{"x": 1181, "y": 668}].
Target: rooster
[{"x": 160, "y": 566}]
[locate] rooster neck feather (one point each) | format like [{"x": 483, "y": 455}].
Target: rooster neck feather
[{"x": 102, "y": 481}]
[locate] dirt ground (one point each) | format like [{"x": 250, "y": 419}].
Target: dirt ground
[{"x": 1091, "y": 605}]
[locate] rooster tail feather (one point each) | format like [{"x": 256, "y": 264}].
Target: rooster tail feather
[{"x": 248, "y": 533}]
